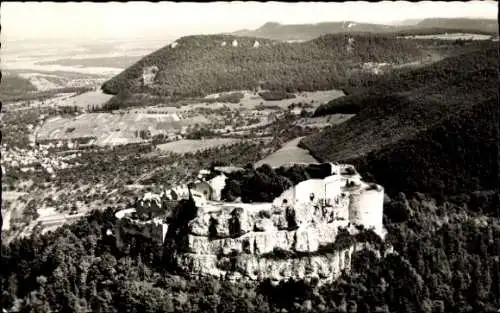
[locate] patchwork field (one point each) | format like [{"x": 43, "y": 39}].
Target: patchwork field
[
  {"x": 453, "y": 36},
  {"x": 252, "y": 100},
  {"x": 189, "y": 146},
  {"x": 112, "y": 129}
]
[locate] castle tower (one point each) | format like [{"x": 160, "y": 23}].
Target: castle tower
[{"x": 366, "y": 207}]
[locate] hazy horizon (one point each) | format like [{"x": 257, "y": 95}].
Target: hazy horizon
[{"x": 112, "y": 20}]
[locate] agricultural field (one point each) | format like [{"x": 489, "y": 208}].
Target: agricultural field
[
  {"x": 252, "y": 100},
  {"x": 190, "y": 146},
  {"x": 452, "y": 36},
  {"x": 112, "y": 129}
]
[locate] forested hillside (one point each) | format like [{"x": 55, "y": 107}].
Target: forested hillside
[
  {"x": 199, "y": 65},
  {"x": 450, "y": 266},
  {"x": 13, "y": 85},
  {"x": 437, "y": 135},
  {"x": 438, "y": 76}
]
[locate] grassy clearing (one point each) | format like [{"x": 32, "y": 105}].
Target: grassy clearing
[
  {"x": 289, "y": 153},
  {"x": 253, "y": 100},
  {"x": 189, "y": 146}
]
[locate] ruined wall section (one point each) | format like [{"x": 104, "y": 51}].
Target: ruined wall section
[
  {"x": 244, "y": 243},
  {"x": 149, "y": 75}
]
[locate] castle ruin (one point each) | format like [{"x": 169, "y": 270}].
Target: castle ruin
[{"x": 295, "y": 236}]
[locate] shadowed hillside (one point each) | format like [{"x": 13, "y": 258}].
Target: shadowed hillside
[
  {"x": 13, "y": 85},
  {"x": 439, "y": 134},
  {"x": 199, "y": 65},
  {"x": 450, "y": 71}
]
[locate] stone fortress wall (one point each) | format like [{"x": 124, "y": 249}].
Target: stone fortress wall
[{"x": 294, "y": 236}]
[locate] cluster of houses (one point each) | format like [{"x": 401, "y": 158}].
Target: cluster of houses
[{"x": 36, "y": 159}]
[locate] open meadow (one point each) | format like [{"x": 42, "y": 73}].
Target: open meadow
[
  {"x": 289, "y": 153},
  {"x": 189, "y": 146}
]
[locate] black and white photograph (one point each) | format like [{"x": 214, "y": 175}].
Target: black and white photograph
[{"x": 250, "y": 157}]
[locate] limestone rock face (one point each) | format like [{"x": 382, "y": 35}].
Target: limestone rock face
[
  {"x": 200, "y": 225},
  {"x": 265, "y": 225},
  {"x": 306, "y": 240},
  {"x": 279, "y": 221},
  {"x": 149, "y": 75},
  {"x": 200, "y": 264},
  {"x": 264, "y": 243},
  {"x": 253, "y": 254},
  {"x": 222, "y": 224},
  {"x": 201, "y": 245},
  {"x": 242, "y": 222},
  {"x": 321, "y": 267}
]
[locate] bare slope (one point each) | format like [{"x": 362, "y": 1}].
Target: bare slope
[{"x": 435, "y": 137}]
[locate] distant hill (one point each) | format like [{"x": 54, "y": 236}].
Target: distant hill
[
  {"x": 438, "y": 134},
  {"x": 199, "y": 65},
  {"x": 276, "y": 31},
  {"x": 483, "y": 25},
  {"x": 14, "y": 84}
]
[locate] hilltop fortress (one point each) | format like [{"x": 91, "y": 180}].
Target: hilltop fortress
[{"x": 301, "y": 234}]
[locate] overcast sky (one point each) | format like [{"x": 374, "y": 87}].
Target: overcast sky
[{"x": 118, "y": 20}]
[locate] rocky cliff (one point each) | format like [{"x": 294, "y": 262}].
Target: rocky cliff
[{"x": 255, "y": 242}]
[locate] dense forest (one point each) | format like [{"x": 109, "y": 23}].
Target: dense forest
[
  {"x": 437, "y": 137},
  {"x": 200, "y": 65},
  {"x": 459, "y": 154},
  {"x": 437, "y": 77},
  {"x": 447, "y": 260}
]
